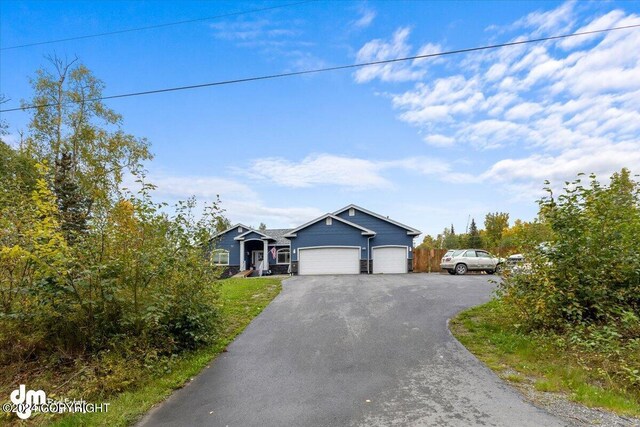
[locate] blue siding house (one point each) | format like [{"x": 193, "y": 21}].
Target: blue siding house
[{"x": 351, "y": 240}]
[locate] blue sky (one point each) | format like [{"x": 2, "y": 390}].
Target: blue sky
[{"x": 426, "y": 142}]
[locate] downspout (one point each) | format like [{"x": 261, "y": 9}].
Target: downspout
[{"x": 369, "y": 253}]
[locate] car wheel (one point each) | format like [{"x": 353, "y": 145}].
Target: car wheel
[
  {"x": 451, "y": 271},
  {"x": 490, "y": 271},
  {"x": 461, "y": 269},
  {"x": 499, "y": 268}
]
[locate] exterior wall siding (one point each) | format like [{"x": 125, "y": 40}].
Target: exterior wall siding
[
  {"x": 320, "y": 234},
  {"x": 227, "y": 243},
  {"x": 273, "y": 260},
  {"x": 386, "y": 233},
  {"x": 336, "y": 234}
]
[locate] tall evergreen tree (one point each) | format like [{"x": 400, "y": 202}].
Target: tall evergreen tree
[
  {"x": 73, "y": 205},
  {"x": 474, "y": 240}
]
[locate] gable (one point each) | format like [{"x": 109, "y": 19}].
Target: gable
[
  {"x": 373, "y": 221},
  {"x": 333, "y": 218},
  {"x": 234, "y": 231},
  {"x": 387, "y": 233}
]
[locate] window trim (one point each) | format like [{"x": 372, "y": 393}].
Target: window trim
[
  {"x": 278, "y": 254},
  {"x": 219, "y": 251}
]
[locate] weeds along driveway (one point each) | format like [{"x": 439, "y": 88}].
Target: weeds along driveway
[{"x": 354, "y": 351}]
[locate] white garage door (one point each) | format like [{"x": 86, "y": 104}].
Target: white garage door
[
  {"x": 329, "y": 261},
  {"x": 390, "y": 260}
]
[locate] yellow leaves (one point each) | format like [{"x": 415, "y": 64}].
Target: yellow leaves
[
  {"x": 44, "y": 240},
  {"x": 13, "y": 253}
]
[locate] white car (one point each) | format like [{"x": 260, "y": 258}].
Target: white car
[{"x": 462, "y": 260}]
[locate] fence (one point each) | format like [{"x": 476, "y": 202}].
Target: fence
[{"x": 428, "y": 260}]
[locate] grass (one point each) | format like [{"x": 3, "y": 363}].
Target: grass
[
  {"x": 242, "y": 300},
  {"x": 519, "y": 357}
]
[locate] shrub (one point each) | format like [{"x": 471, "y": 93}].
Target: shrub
[
  {"x": 590, "y": 272},
  {"x": 583, "y": 286},
  {"x": 135, "y": 282}
]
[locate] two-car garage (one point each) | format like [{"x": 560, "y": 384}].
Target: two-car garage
[
  {"x": 351, "y": 240},
  {"x": 346, "y": 260}
]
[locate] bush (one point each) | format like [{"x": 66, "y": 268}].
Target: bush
[
  {"x": 590, "y": 272},
  {"x": 136, "y": 282},
  {"x": 584, "y": 285}
]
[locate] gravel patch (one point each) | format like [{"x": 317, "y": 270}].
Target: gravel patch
[{"x": 573, "y": 413}]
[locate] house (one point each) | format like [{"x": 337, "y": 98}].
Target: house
[{"x": 351, "y": 240}]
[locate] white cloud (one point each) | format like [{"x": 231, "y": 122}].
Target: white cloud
[
  {"x": 549, "y": 22},
  {"x": 523, "y": 111},
  {"x": 439, "y": 140},
  {"x": 560, "y": 111},
  {"x": 530, "y": 171},
  {"x": 397, "y": 47},
  {"x": 11, "y": 139},
  {"x": 204, "y": 187},
  {"x": 366, "y": 18},
  {"x": 320, "y": 170},
  {"x": 341, "y": 171},
  {"x": 239, "y": 201},
  {"x": 609, "y": 20},
  {"x": 253, "y": 213},
  {"x": 241, "y": 30}
]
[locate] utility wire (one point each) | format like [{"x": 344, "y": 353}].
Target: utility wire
[
  {"x": 340, "y": 67},
  {"x": 150, "y": 27}
]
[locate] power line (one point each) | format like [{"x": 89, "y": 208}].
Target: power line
[
  {"x": 150, "y": 27},
  {"x": 340, "y": 67}
]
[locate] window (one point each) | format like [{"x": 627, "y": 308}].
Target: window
[
  {"x": 283, "y": 256},
  {"x": 220, "y": 257},
  {"x": 352, "y": 212},
  {"x": 470, "y": 254},
  {"x": 328, "y": 221},
  {"x": 483, "y": 254},
  {"x": 239, "y": 229}
]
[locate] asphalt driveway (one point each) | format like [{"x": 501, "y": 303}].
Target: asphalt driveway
[{"x": 354, "y": 351}]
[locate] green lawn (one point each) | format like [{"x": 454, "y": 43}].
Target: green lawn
[
  {"x": 518, "y": 357},
  {"x": 242, "y": 300}
]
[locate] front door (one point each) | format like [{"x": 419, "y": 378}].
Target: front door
[{"x": 256, "y": 259}]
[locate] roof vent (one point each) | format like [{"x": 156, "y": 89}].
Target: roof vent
[
  {"x": 328, "y": 220},
  {"x": 352, "y": 212}
]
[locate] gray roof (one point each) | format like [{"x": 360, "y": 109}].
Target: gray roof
[{"x": 277, "y": 234}]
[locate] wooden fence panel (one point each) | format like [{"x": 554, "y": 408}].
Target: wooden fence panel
[{"x": 428, "y": 260}]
